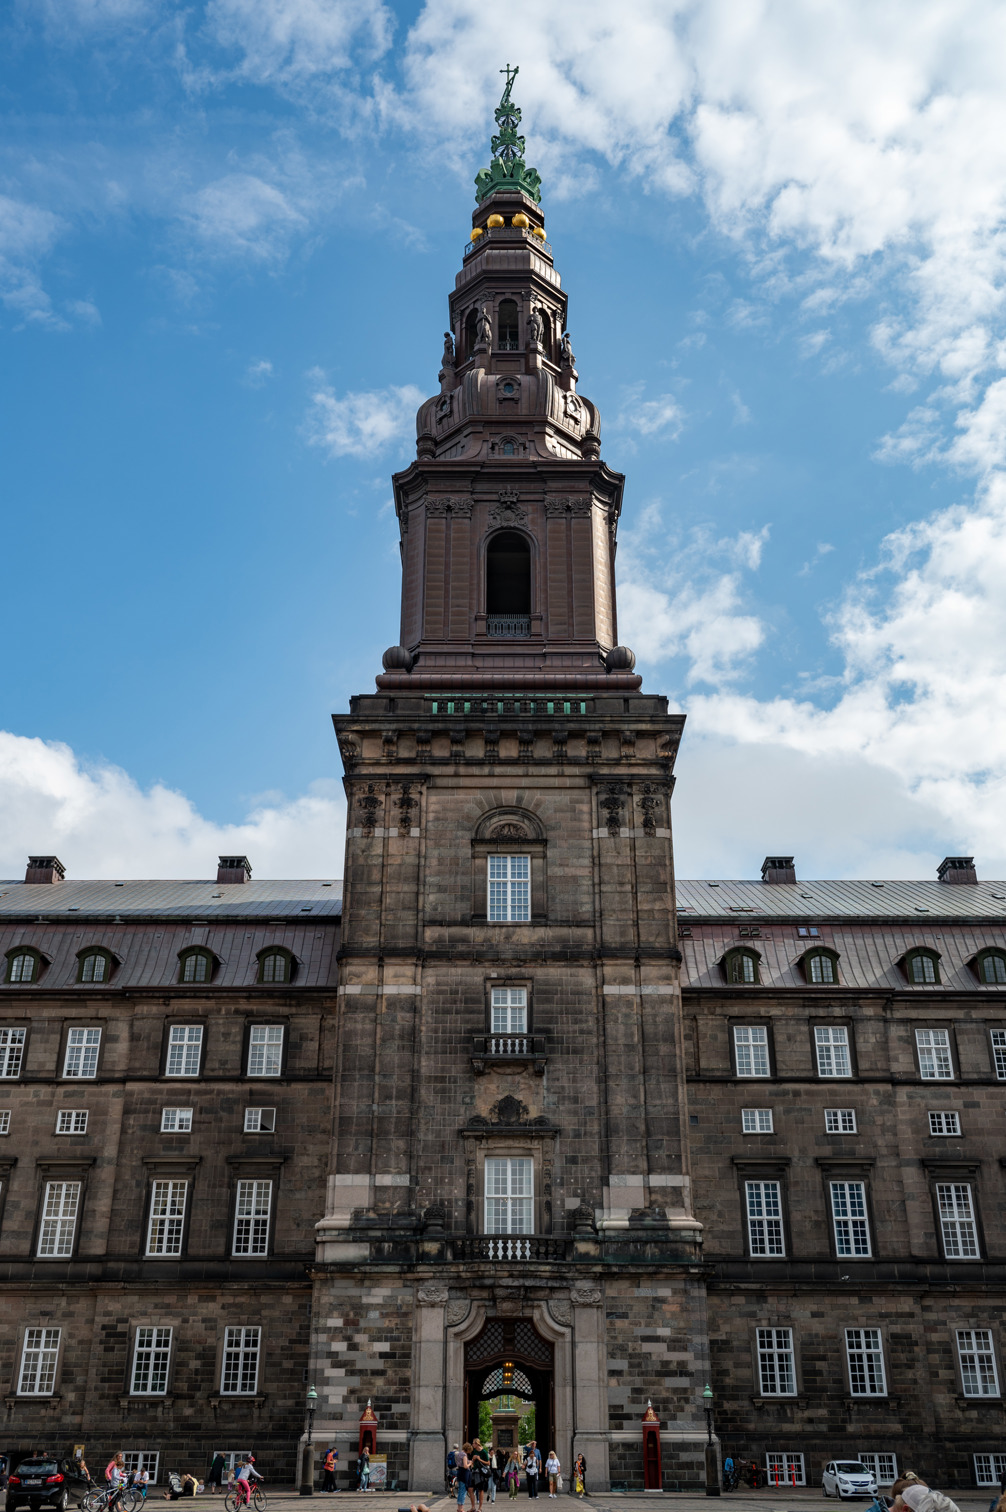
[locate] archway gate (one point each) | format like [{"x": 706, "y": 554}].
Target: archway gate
[{"x": 514, "y": 1345}]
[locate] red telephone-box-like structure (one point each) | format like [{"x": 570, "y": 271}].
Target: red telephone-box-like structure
[
  {"x": 368, "y": 1430},
  {"x": 653, "y": 1479}
]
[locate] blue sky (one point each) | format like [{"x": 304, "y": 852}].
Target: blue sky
[{"x": 227, "y": 234}]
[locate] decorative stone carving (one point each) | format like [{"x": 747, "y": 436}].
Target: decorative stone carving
[
  {"x": 457, "y": 1311},
  {"x": 448, "y": 358},
  {"x": 368, "y": 805},
  {"x": 582, "y": 1219},
  {"x": 423, "y": 739},
  {"x": 408, "y": 805},
  {"x": 559, "y": 738},
  {"x": 582, "y": 1295},
  {"x": 536, "y": 325},
  {"x": 445, "y": 407},
  {"x": 461, "y": 509},
  {"x": 509, "y": 1110},
  {"x": 508, "y": 386},
  {"x": 484, "y": 328},
  {"x": 492, "y": 744},
  {"x": 509, "y": 832},
  {"x": 611, "y": 804},
  {"x": 560, "y": 1312},
  {"x": 572, "y": 408},
  {"x": 434, "y": 1293},
  {"x": 507, "y": 511},
  {"x": 650, "y": 801},
  {"x": 566, "y": 358},
  {"x": 434, "y": 1218},
  {"x": 566, "y": 506}
]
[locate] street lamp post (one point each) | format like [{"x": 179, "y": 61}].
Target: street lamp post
[
  {"x": 307, "y": 1464},
  {"x": 712, "y": 1467}
]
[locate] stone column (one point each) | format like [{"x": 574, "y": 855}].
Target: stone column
[
  {"x": 427, "y": 1446},
  {"x": 590, "y": 1367}
]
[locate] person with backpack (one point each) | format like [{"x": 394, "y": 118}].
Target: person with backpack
[
  {"x": 463, "y": 1472},
  {"x": 215, "y": 1478},
  {"x": 452, "y": 1469},
  {"x": 330, "y": 1466}
]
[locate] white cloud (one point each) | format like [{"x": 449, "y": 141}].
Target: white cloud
[
  {"x": 27, "y": 233},
  {"x": 285, "y": 41},
  {"x": 661, "y": 417},
  {"x": 360, "y": 424},
  {"x": 258, "y": 373},
  {"x": 102, "y": 824},
  {"x": 242, "y": 215}
]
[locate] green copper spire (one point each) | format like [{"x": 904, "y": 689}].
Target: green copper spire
[{"x": 507, "y": 169}]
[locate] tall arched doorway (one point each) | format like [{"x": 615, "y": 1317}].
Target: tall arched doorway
[{"x": 510, "y": 1358}]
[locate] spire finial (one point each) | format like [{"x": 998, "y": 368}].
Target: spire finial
[{"x": 508, "y": 169}]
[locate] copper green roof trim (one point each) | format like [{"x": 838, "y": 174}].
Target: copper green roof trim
[{"x": 508, "y": 169}]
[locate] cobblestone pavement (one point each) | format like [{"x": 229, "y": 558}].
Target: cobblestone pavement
[{"x": 769, "y": 1500}]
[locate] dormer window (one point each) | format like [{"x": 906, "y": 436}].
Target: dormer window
[
  {"x": 922, "y": 967},
  {"x": 23, "y": 966},
  {"x": 275, "y": 965},
  {"x": 196, "y": 965},
  {"x": 820, "y": 967},
  {"x": 94, "y": 966},
  {"x": 740, "y": 967},
  {"x": 990, "y": 967},
  {"x": 509, "y": 338}
]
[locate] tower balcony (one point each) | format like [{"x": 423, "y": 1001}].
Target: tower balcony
[
  {"x": 508, "y": 626},
  {"x": 490, "y": 1050},
  {"x": 509, "y": 1248}
]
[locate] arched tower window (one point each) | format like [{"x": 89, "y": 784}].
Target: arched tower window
[
  {"x": 509, "y": 339},
  {"x": 508, "y": 574},
  {"x": 546, "y": 335},
  {"x": 471, "y": 333}
]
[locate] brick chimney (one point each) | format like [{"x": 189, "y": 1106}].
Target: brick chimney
[
  {"x": 45, "y": 869},
  {"x": 234, "y": 869},
  {"x": 778, "y": 869},
  {"x": 957, "y": 869}
]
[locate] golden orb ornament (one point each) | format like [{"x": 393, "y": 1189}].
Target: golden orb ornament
[
  {"x": 539, "y": 232},
  {"x": 495, "y": 220},
  {"x": 477, "y": 232},
  {"x": 521, "y": 220}
]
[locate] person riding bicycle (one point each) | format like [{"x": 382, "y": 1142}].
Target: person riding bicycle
[
  {"x": 115, "y": 1476},
  {"x": 242, "y": 1485}
]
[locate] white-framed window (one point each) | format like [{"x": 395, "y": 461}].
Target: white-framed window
[
  {"x": 167, "y": 1217},
  {"x": 999, "y": 1052},
  {"x": 185, "y": 1047},
  {"x": 935, "y": 1062},
  {"x": 60, "y": 1207},
  {"x": 12, "y": 1042},
  {"x": 509, "y": 1195},
  {"x": 151, "y": 1358},
  {"x": 71, "y": 1121},
  {"x": 784, "y": 1468},
  {"x": 22, "y": 968},
  {"x": 989, "y": 1469},
  {"x": 39, "y": 1356},
  {"x": 821, "y": 970},
  {"x": 776, "y": 1367},
  {"x": 883, "y": 1464},
  {"x": 848, "y": 1211},
  {"x": 832, "y": 1046},
  {"x": 509, "y": 889},
  {"x": 142, "y": 1459},
  {"x": 865, "y": 1351},
  {"x": 260, "y": 1120},
  {"x": 176, "y": 1120},
  {"x": 840, "y": 1121},
  {"x": 82, "y": 1047},
  {"x": 958, "y": 1228},
  {"x": 239, "y": 1373},
  {"x": 4, "y": 1120},
  {"x": 508, "y": 1010},
  {"x": 265, "y": 1050},
  {"x": 805, "y": 931},
  {"x": 757, "y": 1121},
  {"x": 764, "y": 1213},
  {"x": 233, "y": 1458},
  {"x": 979, "y": 1376},
  {"x": 251, "y": 1217},
  {"x": 751, "y": 1050},
  {"x": 944, "y": 1123}
]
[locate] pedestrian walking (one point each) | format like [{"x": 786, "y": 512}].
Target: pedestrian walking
[
  {"x": 495, "y": 1473},
  {"x": 531, "y": 1468},
  {"x": 580, "y": 1476},
  {"x": 214, "y": 1481},
  {"x": 480, "y": 1474},
  {"x": 513, "y": 1473},
  {"x": 554, "y": 1472},
  {"x": 464, "y": 1473},
  {"x": 363, "y": 1468},
  {"x": 331, "y": 1461}
]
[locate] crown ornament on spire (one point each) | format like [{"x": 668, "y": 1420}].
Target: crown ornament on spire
[{"x": 508, "y": 169}]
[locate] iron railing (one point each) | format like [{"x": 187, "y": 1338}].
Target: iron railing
[
  {"x": 508, "y": 626},
  {"x": 508, "y": 1247}
]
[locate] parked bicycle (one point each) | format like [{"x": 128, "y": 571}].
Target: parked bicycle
[{"x": 97, "y": 1500}]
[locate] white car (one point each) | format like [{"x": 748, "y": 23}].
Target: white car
[{"x": 848, "y": 1478}]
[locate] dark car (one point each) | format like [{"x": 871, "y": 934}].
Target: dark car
[{"x": 42, "y": 1482}]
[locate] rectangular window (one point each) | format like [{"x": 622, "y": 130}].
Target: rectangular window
[
  {"x": 764, "y": 1208},
  {"x": 239, "y": 1376},
  {"x": 151, "y": 1356},
  {"x": 38, "y": 1362},
  {"x": 60, "y": 1207},
  {"x": 935, "y": 1063},
  {"x": 866, "y": 1362},
  {"x": 751, "y": 1051},
  {"x": 832, "y": 1047},
  {"x": 510, "y": 889},
  {"x": 265, "y": 1050},
  {"x": 185, "y": 1047},
  {"x": 756, "y": 1120},
  {"x": 71, "y": 1121},
  {"x": 143, "y": 1459},
  {"x": 176, "y": 1120},
  {"x": 807, "y": 930},
  {"x": 944, "y": 1123},
  {"x": 848, "y": 1210},
  {"x": 4, "y": 1120},
  {"x": 251, "y": 1218},
  {"x": 11, "y": 1051},
  {"x": 509, "y": 1195},
  {"x": 883, "y": 1465},
  {"x": 509, "y": 1010},
  {"x": 978, "y": 1363},
  {"x": 784, "y": 1469},
  {"x": 999, "y": 1052},
  {"x": 776, "y": 1369},
  {"x": 260, "y": 1120},
  {"x": 989, "y": 1469},
  {"x": 167, "y": 1217},
  {"x": 958, "y": 1228},
  {"x": 82, "y": 1052},
  {"x": 840, "y": 1120}
]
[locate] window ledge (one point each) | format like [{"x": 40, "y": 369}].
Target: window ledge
[
  {"x": 759, "y": 1402},
  {"x": 222, "y": 1399},
  {"x": 36, "y": 1401},
  {"x": 964, "y": 1402},
  {"x": 146, "y": 1399}
]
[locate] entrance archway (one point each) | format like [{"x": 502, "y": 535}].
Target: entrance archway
[{"x": 510, "y": 1358}]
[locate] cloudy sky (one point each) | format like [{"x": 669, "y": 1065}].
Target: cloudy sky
[{"x": 227, "y": 233}]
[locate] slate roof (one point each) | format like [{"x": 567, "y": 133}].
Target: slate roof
[
  {"x": 181, "y": 900},
  {"x": 842, "y": 900}
]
